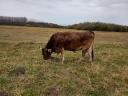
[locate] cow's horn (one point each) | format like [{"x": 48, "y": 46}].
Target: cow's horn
[{"x": 49, "y": 50}]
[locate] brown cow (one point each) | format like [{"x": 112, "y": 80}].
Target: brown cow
[{"x": 71, "y": 41}]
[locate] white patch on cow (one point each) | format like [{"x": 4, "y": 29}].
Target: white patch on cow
[{"x": 49, "y": 50}]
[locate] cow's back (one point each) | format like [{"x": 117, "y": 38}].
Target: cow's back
[{"x": 70, "y": 40}]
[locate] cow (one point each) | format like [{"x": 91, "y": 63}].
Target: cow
[{"x": 71, "y": 41}]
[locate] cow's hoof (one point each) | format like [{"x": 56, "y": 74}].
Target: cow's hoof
[{"x": 79, "y": 62}]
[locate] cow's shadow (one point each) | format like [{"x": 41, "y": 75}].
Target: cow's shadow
[
  {"x": 55, "y": 59},
  {"x": 67, "y": 60}
]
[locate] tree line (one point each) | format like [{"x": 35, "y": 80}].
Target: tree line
[
  {"x": 5, "y": 20},
  {"x": 96, "y": 26},
  {"x": 43, "y": 24},
  {"x": 99, "y": 26},
  {"x": 23, "y": 21}
]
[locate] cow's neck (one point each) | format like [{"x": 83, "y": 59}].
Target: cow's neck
[{"x": 48, "y": 46}]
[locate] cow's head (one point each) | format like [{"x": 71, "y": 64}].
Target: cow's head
[{"x": 46, "y": 53}]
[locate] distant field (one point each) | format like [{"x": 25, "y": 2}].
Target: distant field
[
  {"x": 23, "y": 72},
  {"x": 15, "y": 34}
]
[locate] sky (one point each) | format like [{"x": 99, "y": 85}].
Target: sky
[{"x": 66, "y": 12}]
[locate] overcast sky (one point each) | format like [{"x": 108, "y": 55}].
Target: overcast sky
[{"x": 68, "y": 11}]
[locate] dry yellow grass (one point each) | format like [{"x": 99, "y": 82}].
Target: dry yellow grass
[
  {"x": 23, "y": 72},
  {"x": 41, "y": 35}
]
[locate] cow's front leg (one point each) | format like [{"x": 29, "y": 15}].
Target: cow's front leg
[{"x": 62, "y": 55}]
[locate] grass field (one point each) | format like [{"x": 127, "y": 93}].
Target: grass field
[{"x": 23, "y": 72}]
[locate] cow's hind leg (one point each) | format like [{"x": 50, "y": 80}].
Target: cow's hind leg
[
  {"x": 90, "y": 54},
  {"x": 84, "y": 52},
  {"x": 83, "y": 55}
]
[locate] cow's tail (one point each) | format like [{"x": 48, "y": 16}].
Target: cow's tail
[
  {"x": 92, "y": 51},
  {"x": 93, "y": 35}
]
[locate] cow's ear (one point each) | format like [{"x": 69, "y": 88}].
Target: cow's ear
[
  {"x": 49, "y": 50},
  {"x": 45, "y": 49}
]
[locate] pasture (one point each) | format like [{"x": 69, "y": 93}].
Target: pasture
[{"x": 23, "y": 72}]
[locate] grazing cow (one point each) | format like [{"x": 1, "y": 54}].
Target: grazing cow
[{"x": 71, "y": 41}]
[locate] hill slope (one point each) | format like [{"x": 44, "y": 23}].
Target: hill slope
[{"x": 99, "y": 26}]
